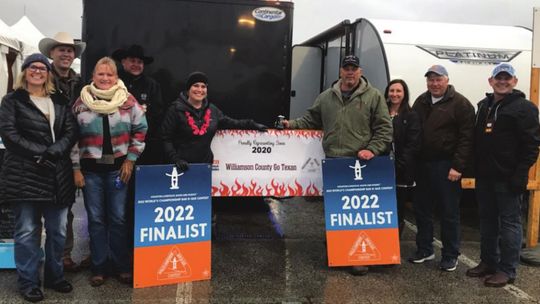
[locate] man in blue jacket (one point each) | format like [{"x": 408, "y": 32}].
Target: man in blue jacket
[{"x": 507, "y": 136}]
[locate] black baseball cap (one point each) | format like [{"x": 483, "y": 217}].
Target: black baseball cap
[{"x": 350, "y": 60}]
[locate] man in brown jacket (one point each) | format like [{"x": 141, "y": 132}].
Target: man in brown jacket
[{"x": 448, "y": 124}]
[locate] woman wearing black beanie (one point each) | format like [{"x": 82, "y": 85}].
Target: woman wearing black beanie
[{"x": 192, "y": 121}]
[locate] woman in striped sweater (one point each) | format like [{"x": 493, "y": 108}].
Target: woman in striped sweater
[{"x": 112, "y": 132}]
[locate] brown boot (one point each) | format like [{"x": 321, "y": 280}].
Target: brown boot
[
  {"x": 125, "y": 278},
  {"x": 70, "y": 265},
  {"x": 86, "y": 262},
  {"x": 480, "y": 270},
  {"x": 97, "y": 280},
  {"x": 499, "y": 279},
  {"x": 359, "y": 270}
]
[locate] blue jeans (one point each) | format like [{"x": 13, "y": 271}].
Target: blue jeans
[
  {"x": 106, "y": 209},
  {"x": 28, "y": 242},
  {"x": 500, "y": 225},
  {"x": 435, "y": 191}
]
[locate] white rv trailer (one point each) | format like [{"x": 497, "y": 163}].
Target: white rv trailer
[{"x": 391, "y": 49}]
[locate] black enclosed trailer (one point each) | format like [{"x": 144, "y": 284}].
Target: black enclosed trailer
[{"x": 243, "y": 46}]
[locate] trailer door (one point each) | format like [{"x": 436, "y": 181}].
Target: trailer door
[{"x": 305, "y": 78}]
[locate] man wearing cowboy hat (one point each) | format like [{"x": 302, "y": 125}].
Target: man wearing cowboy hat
[
  {"x": 147, "y": 92},
  {"x": 63, "y": 49}
]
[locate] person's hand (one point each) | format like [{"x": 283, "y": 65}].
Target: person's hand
[
  {"x": 182, "y": 165},
  {"x": 285, "y": 123},
  {"x": 78, "y": 177},
  {"x": 453, "y": 175},
  {"x": 365, "y": 154},
  {"x": 126, "y": 170},
  {"x": 260, "y": 127}
]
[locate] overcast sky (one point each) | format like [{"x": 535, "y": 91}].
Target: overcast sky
[{"x": 310, "y": 16}]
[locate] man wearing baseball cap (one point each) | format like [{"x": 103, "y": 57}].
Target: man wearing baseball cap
[
  {"x": 507, "y": 136},
  {"x": 349, "y": 108},
  {"x": 447, "y": 142},
  {"x": 63, "y": 49}
]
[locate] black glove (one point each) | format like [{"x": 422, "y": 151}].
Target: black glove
[
  {"x": 260, "y": 127},
  {"x": 45, "y": 163},
  {"x": 51, "y": 154},
  {"x": 182, "y": 165},
  {"x": 518, "y": 183}
]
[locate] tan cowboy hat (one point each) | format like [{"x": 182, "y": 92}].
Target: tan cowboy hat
[{"x": 61, "y": 38}]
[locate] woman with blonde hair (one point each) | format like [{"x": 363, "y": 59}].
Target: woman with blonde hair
[
  {"x": 38, "y": 131},
  {"x": 112, "y": 132}
]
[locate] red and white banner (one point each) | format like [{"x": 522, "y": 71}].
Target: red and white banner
[{"x": 273, "y": 163}]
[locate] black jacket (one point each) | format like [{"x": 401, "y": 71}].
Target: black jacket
[
  {"x": 506, "y": 149},
  {"x": 179, "y": 141},
  {"x": 148, "y": 93},
  {"x": 448, "y": 128},
  {"x": 406, "y": 146},
  {"x": 27, "y": 134}
]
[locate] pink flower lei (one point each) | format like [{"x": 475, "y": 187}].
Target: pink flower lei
[{"x": 204, "y": 127}]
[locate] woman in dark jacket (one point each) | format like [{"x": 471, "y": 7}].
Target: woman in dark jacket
[
  {"x": 406, "y": 141},
  {"x": 192, "y": 121},
  {"x": 38, "y": 131}
]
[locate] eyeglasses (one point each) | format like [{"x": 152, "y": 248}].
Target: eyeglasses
[{"x": 36, "y": 69}]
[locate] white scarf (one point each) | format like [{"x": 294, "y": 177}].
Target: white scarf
[{"x": 104, "y": 101}]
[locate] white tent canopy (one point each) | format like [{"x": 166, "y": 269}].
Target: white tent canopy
[{"x": 28, "y": 34}]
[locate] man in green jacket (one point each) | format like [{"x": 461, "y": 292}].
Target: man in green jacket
[{"x": 354, "y": 118}]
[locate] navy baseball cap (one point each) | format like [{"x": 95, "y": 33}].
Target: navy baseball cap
[
  {"x": 504, "y": 68},
  {"x": 437, "y": 69}
]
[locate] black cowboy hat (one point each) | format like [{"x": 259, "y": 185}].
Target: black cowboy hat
[{"x": 135, "y": 51}]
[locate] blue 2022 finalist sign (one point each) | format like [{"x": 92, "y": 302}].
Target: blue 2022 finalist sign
[
  {"x": 360, "y": 211},
  {"x": 172, "y": 225}
]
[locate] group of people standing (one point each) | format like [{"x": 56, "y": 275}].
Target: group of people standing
[
  {"x": 61, "y": 135},
  {"x": 434, "y": 143}
]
